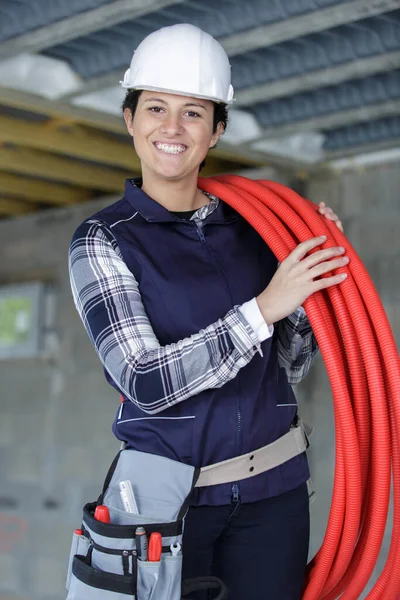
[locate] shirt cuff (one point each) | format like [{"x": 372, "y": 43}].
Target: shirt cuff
[{"x": 251, "y": 312}]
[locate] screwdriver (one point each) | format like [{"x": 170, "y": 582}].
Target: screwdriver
[
  {"x": 141, "y": 543},
  {"x": 102, "y": 513},
  {"x": 155, "y": 547}
]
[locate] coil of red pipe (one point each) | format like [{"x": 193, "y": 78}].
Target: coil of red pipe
[{"x": 361, "y": 359}]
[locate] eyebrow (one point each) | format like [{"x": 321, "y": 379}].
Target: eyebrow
[{"x": 185, "y": 105}]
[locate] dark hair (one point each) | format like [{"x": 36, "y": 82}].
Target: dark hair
[{"x": 220, "y": 111}]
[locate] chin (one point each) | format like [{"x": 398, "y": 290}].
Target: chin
[
  {"x": 173, "y": 174},
  {"x": 169, "y": 174}
]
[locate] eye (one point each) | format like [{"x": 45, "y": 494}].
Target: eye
[
  {"x": 192, "y": 113},
  {"x": 155, "y": 109}
]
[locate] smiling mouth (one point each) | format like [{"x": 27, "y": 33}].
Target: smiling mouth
[{"x": 170, "y": 148}]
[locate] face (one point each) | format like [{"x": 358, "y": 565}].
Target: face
[{"x": 172, "y": 134}]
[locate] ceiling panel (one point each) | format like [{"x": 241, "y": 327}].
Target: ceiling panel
[
  {"x": 21, "y": 16},
  {"x": 324, "y": 70}
]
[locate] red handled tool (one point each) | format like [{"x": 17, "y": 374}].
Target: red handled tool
[
  {"x": 155, "y": 547},
  {"x": 102, "y": 514}
]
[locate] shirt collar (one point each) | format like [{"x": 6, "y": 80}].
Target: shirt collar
[
  {"x": 204, "y": 211},
  {"x": 154, "y": 212}
]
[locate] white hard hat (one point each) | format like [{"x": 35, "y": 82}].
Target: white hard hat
[{"x": 181, "y": 59}]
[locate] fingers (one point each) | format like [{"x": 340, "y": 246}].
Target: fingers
[
  {"x": 327, "y": 282},
  {"x": 322, "y": 255},
  {"x": 328, "y": 213},
  {"x": 298, "y": 254},
  {"x": 328, "y": 266},
  {"x": 339, "y": 226},
  {"x": 301, "y": 250}
]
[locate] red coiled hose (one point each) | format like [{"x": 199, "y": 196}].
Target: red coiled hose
[{"x": 362, "y": 362}]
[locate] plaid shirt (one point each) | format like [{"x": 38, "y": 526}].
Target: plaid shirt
[{"x": 106, "y": 291}]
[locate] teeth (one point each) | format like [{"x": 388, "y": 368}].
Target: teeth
[{"x": 173, "y": 149}]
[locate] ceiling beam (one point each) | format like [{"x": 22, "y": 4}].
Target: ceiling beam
[
  {"x": 333, "y": 120},
  {"x": 13, "y": 206},
  {"x": 71, "y": 140},
  {"x": 363, "y": 149},
  {"x": 42, "y": 192},
  {"x": 259, "y": 158},
  {"x": 305, "y": 24},
  {"x": 61, "y": 110},
  {"x": 94, "y": 84},
  {"x": 78, "y": 142},
  {"x": 48, "y": 166},
  {"x": 81, "y": 24},
  {"x": 105, "y": 122},
  {"x": 36, "y": 163},
  {"x": 268, "y": 35},
  {"x": 354, "y": 69}
]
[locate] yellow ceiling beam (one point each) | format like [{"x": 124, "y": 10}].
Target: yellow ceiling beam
[
  {"x": 76, "y": 141},
  {"x": 42, "y": 192},
  {"x": 13, "y": 206},
  {"x": 70, "y": 140},
  {"x": 42, "y": 164},
  {"x": 63, "y": 111},
  {"x": 79, "y": 142}
]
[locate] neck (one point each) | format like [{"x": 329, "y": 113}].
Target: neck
[{"x": 179, "y": 195}]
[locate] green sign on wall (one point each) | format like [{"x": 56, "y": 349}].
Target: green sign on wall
[
  {"x": 16, "y": 315},
  {"x": 21, "y": 313}
]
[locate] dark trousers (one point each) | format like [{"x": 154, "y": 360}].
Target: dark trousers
[{"x": 259, "y": 550}]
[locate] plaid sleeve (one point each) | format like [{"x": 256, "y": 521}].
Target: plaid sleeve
[
  {"x": 297, "y": 345},
  {"x": 108, "y": 300}
]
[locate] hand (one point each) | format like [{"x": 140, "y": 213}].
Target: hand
[
  {"x": 330, "y": 215},
  {"x": 295, "y": 280}
]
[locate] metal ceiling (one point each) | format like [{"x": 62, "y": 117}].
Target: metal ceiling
[{"x": 298, "y": 66}]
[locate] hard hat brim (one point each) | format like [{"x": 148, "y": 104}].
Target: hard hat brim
[{"x": 126, "y": 86}]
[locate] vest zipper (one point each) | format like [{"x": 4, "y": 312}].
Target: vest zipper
[
  {"x": 239, "y": 443},
  {"x": 199, "y": 227}
]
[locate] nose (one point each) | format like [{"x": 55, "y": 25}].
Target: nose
[{"x": 172, "y": 124}]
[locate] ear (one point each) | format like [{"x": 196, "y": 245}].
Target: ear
[
  {"x": 128, "y": 120},
  {"x": 215, "y": 136}
]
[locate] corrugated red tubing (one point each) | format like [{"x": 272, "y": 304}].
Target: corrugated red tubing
[{"x": 362, "y": 362}]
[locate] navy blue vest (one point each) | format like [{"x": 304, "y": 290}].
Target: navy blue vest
[{"x": 188, "y": 279}]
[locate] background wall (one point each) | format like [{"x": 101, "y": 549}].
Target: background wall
[
  {"x": 56, "y": 412},
  {"x": 368, "y": 203}
]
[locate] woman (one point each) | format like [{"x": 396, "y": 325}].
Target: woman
[{"x": 196, "y": 326}]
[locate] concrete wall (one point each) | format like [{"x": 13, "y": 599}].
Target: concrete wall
[
  {"x": 369, "y": 205},
  {"x": 56, "y": 416},
  {"x": 56, "y": 412}
]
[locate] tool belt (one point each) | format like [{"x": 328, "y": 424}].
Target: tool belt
[{"x": 106, "y": 560}]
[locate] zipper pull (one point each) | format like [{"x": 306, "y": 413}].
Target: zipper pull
[{"x": 235, "y": 493}]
